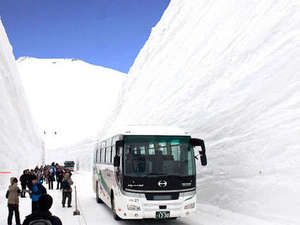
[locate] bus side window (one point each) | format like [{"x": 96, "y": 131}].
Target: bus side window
[
  {"x": 99, "y": 155},
  {"x": 96, "y": 158},
  {"x": 108, "y": 152},
  {"x": 102, "y": 155},
  {"x": 113, "y": 153}
]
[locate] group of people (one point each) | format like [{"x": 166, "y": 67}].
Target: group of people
[{"x": 32, "y": 183}]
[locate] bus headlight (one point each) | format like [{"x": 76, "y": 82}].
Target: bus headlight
[
  {"x": 188, "y": 194},
  {"x": 190, "y": 206},
  {"x": 133, "y": 207}
]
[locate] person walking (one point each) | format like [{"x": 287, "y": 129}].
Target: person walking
[
  {"x": 67, "y": 190},
  {"x": 59, "y": 178},
  {"x": 36, "y": 190},
  {"x": 24, "y": 180},
  {"x": 43, "y": 215},
  {"x": 12, "y": 195},
  {"x": 51, "y": 178}
]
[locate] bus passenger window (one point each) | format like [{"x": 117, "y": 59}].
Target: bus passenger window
[
  {"x": 113, "y": 153},
  {"x": 99, "y": 156},
  {"x": 96, "y": 157},
  {"x": 142, "y": 150},
  {"x": 108, "y": 154},
  {"x": 151, "y": 149},
  {"x": 103, "y": 155}
]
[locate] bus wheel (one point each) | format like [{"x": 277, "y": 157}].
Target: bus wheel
[
  {"x": 113, "y": 208},
  {"x": 98, "y": 199}
]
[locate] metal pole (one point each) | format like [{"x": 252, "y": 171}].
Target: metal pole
[{"x": 76, "y": 212}]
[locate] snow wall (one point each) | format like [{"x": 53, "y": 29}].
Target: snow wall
[
  {"x": 81, "y": 153},
  {"x": 73, "y": 98},
  {"x": 20, "y": 144},
  {"x": 69, "y": 96},
  {"x": 228, "y": 72}
]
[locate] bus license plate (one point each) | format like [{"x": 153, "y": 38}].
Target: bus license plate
[{"x": 162, "y": 215}]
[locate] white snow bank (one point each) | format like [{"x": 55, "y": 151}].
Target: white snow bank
[
  {"x": 228, "y": 71},
  {"x": 20, "y": 144},
  {"x": 69, "y": 97},
  {"x": 81, "y": 153}
]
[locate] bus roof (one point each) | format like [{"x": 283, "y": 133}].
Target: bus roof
[{"x": 151, "y": 130}]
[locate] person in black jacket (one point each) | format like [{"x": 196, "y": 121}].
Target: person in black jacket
[
  {"x": 43, "y": 214},
  {"x": 51, "y": 178},
  {"x": 31, "y": 176},
  {"x": 59, "y": 178},
  {"x": 24, "y": 181}
]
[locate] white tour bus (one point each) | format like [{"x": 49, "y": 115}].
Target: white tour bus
[{"x": 147, "y": 174}]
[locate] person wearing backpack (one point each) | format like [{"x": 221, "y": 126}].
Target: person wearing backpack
[
  {"x": 67, "y": 190},
  {"x": 43, "y": 216},
  {"x": 36, "y": 191},
  {"x": 12, "y": 196}
]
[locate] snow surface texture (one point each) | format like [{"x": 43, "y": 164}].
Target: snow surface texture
[
  {"x": 227, "y": 71},
  {"x": 91, "y": 212},
  {"x": 69, "y": 96},
  {"x": 20, "y": 144}
]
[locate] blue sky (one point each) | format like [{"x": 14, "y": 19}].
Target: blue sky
[{"x": 108, "y": 33}]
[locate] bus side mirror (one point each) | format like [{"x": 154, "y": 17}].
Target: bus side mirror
[
  {"x": 199, "y": 142},
  {"x": 117, "y": 161}
]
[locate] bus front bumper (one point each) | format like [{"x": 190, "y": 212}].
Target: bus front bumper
[{"x": 143, "y": 209}]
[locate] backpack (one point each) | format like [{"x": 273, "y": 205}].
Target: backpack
[
  {"x": 43, "y": 189},
  {"x": 65, "y": 185},
  {"x": 42, "y": 219},
  {"x": 41, "y": 222}
]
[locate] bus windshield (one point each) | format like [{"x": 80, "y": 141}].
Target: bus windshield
[{"x": 158, "y": 156}]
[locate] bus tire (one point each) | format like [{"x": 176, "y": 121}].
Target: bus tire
[
  {"x": 98, "y": 199},
  {"x": 113, "y": 208}
]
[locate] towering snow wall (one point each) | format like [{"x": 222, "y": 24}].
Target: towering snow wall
[
  {"x": 228, "y": 71},
  {"x": 73, "y": 99},
  {"x": 20, "y": 144}
]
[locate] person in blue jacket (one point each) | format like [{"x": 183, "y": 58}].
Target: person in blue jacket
[{"x": 36, "y": 191}]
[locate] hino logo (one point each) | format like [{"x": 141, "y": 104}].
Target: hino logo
[{"x": 162, "y": 183}]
